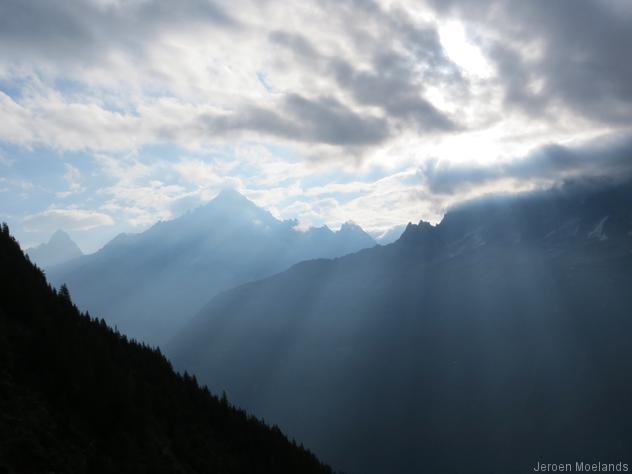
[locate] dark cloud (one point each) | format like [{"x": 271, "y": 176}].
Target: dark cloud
[
  {"x": 515, "y": 75},
  {"x": 609, "y": 157},
  {"x": 404, "y": 58},
  {"x": 83, "y": 30},
  {"x": 585, "y": 48},
  {"x": 298, "y": 44},
  {"x": 380, "y": 80},
  {"x": 369, "y": 106},
  {"x": 327, "y": 120},
  {"x": 391, "y": 87},
  {"x": 324, "y": 120},
  {"x": 424, "y": 45}
]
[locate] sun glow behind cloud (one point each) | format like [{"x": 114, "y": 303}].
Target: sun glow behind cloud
[{"x": 462, "y": 51}]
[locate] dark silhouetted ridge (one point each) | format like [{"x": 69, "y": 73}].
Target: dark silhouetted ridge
[{"x": 78, "y": 397}]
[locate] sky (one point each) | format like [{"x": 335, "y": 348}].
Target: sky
[{"x": 117, "y": 114}]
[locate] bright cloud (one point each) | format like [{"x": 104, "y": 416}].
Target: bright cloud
[{"x": 72, "y": 219}]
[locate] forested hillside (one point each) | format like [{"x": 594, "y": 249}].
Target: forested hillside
[{"x": 78, "y": 397}]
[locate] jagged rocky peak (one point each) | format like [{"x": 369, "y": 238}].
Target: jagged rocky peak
[
  {"x": 232, "y": 196},
  {"x": 60, "y": 236},
  {"x": 231, "y": 205},
  {"x": 351, "y": 227},
  {"x": 352, "y": 232},
  {"x": 227, "y": 199},
  {"x": 60, "y": 248},
  {"x": 416, "y": 231},
  {"x": 322, "y": 230}
]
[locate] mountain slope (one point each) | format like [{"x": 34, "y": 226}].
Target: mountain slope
[
  {"x": 59, "y": 249},
  {"x": 77, "y": 397},
  {"x": 495, "y": 340},
  {"x": 149, "y": 284}
]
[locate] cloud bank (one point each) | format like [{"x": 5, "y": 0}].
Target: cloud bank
[{"x": 378, "y": 111}]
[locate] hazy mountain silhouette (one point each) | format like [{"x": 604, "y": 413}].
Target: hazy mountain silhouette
[
  {"x": 77, "y": 397},
  {"x": 59, "y": 249},
  {"x": 495, "y": 340},
  {"x": 149, "y": 284}
]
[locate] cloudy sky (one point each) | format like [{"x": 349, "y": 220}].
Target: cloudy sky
[{"x": 116, "y": 113}]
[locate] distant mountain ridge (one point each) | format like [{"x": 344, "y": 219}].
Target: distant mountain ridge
[
  {"x": 491, "y": 341},
  {"x": 59, "y": 249},
  {"x": 571, "y": 215},
  {"x": 149, "y": 284}
]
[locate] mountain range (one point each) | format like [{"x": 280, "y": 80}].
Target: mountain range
[
  {"x": 495, "y": 340},
  {"x": 59, "y": 249},
  {"x": 148, "y": 285}
]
